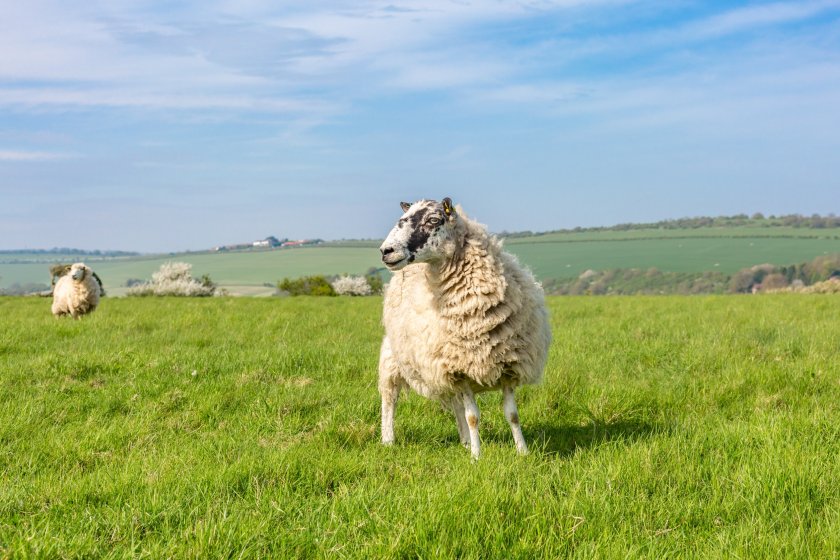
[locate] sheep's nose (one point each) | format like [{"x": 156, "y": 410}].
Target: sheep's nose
[{"x": 386, "y": 250}]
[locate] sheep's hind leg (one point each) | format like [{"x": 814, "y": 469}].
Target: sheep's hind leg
[
  {"x": 512, "y": 415},
  {"x": 471, "y": 415},
  {"x": 460, "y": 418}
]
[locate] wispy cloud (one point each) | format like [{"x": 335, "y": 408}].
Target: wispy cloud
[
  {"x": 31, "y": 156},
  {"x": 315, "y": 61},
  {"x": 330, "y": 98},
  {"x": 756, "y": 16},
  {"x": 247, "y": 56}
]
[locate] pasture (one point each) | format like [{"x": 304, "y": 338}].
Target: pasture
[
  {"x": 552, "y": 255},
  {"x": 678, "y": 427}
]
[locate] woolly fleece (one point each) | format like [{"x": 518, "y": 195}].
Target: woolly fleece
[
  {"x": 476, "y": 315},
  {"x": 76, "y": 297}
]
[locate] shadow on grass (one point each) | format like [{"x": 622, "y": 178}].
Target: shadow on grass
[
  {"x": 581, "y": 429},
  {"x": 560, "y": 440},
  {"x": 565, "y": 441}
]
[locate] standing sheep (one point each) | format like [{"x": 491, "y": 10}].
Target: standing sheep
[
  {"x": 461, "y": 317},
  {"x": 76, "y": 293}
]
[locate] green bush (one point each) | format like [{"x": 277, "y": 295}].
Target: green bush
[
  {"x": 306, "y": 286},
  {"x": 375, "y": 282}
]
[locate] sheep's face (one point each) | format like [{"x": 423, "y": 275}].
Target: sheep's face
[
  {"x": 78, "y": 272},
  {"x": 424, "y": 233}
]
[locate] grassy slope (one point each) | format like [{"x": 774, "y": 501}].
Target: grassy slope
[
  {"x": 723, "y": 254},
  {"x": 667, "y": 427},
  {"x": 556, "y": 255}
]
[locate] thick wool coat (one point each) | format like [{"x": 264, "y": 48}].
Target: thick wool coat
[
  {"x": 476, "y": 316},
  {"x": 75, "y": 297}
]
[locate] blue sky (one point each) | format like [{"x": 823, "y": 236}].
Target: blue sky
[{"x": 161, "y": 126}]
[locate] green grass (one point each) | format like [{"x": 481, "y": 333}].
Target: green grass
[{"x": 667, "y": 427}]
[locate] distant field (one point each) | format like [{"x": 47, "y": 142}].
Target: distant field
[
  {"x": 560, "y": 259},
  {"x": 241, "y": 269},
  {"x": 740, "y": 231},
  {"x": 667, "y": 427},
  {"x": 555, "y": 255}
]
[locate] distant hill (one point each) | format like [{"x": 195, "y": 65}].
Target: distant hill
[
  {"x": 815, "y": 221},
  {"x": 671, "y": 252}
]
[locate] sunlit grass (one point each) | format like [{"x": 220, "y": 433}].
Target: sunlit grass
[{"x": 667, "y": 427}]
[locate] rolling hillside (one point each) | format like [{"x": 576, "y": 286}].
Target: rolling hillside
[{"x": 551, "y": 256}]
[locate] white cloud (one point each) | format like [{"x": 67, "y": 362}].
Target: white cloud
[
  {"x": 30, "y": 156},
  {"x": 759, "y": 15},
  {"x": 109, "y": 98},
  {"x": 313, "y": 60},
  {"x": 238, "y": 55}
]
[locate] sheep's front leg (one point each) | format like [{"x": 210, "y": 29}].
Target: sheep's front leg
[
  {"x": 390, "y": 393},
  {"x": 460, "y": 419},
  {"x": 512, "y": 415},
  {"x": 471, "y": 415},
  {"x": 389, "y": 389}
]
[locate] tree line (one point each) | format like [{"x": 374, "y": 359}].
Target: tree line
[{"x": 758, "y": 219}]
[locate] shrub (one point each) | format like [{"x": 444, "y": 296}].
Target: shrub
[
  {"x": 174, "y": 279},
  {"x": 625, "y": 281},
  {"x": 774, "y": 281},
  {"x": 375, "y": 282},
  {"x": 351, "y": 286},
  {"x": 744, "y": 280},
  {"x": 306, "y": 286}
]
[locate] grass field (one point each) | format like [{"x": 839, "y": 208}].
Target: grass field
[
  {"x": 721, "y": 254},
  {"x": 554, "y": 255},
  {"x": 667, "y": 427}
]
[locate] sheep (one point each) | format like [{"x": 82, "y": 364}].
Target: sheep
[
  {"x": 59, "y": 270},
  {"x": 76, "y": 293},
  {"x": 461, "y": 317}
]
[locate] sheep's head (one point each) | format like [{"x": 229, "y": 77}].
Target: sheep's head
[
  {"x": 426, "y": 232},
  {"x": 79, "y": 272}
]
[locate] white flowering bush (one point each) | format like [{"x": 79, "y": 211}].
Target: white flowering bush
[
  {"x": 174, "y": 279},
  {"x": 351, "y": 286}
]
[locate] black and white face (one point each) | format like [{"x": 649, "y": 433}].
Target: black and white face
[
  {"x": 420, "y": 234},
  {"x": 78, "y": 272}
]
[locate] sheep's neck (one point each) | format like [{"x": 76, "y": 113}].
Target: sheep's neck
[{"x": 471, "y": 281}]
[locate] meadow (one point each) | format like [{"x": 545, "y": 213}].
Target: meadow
[{"x": 667, "y": 427}]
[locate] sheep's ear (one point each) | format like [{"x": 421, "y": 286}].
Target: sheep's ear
[
  {"x": 448, "y": 209},
  {"x": 405, "y": 206}
]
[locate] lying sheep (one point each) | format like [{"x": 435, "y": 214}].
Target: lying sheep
[
  {"x": 76, "y": 293},
  {"x": 461, "y": 316}
]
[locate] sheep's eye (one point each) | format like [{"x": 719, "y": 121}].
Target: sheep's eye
[{"x": 433, "y": 221}]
